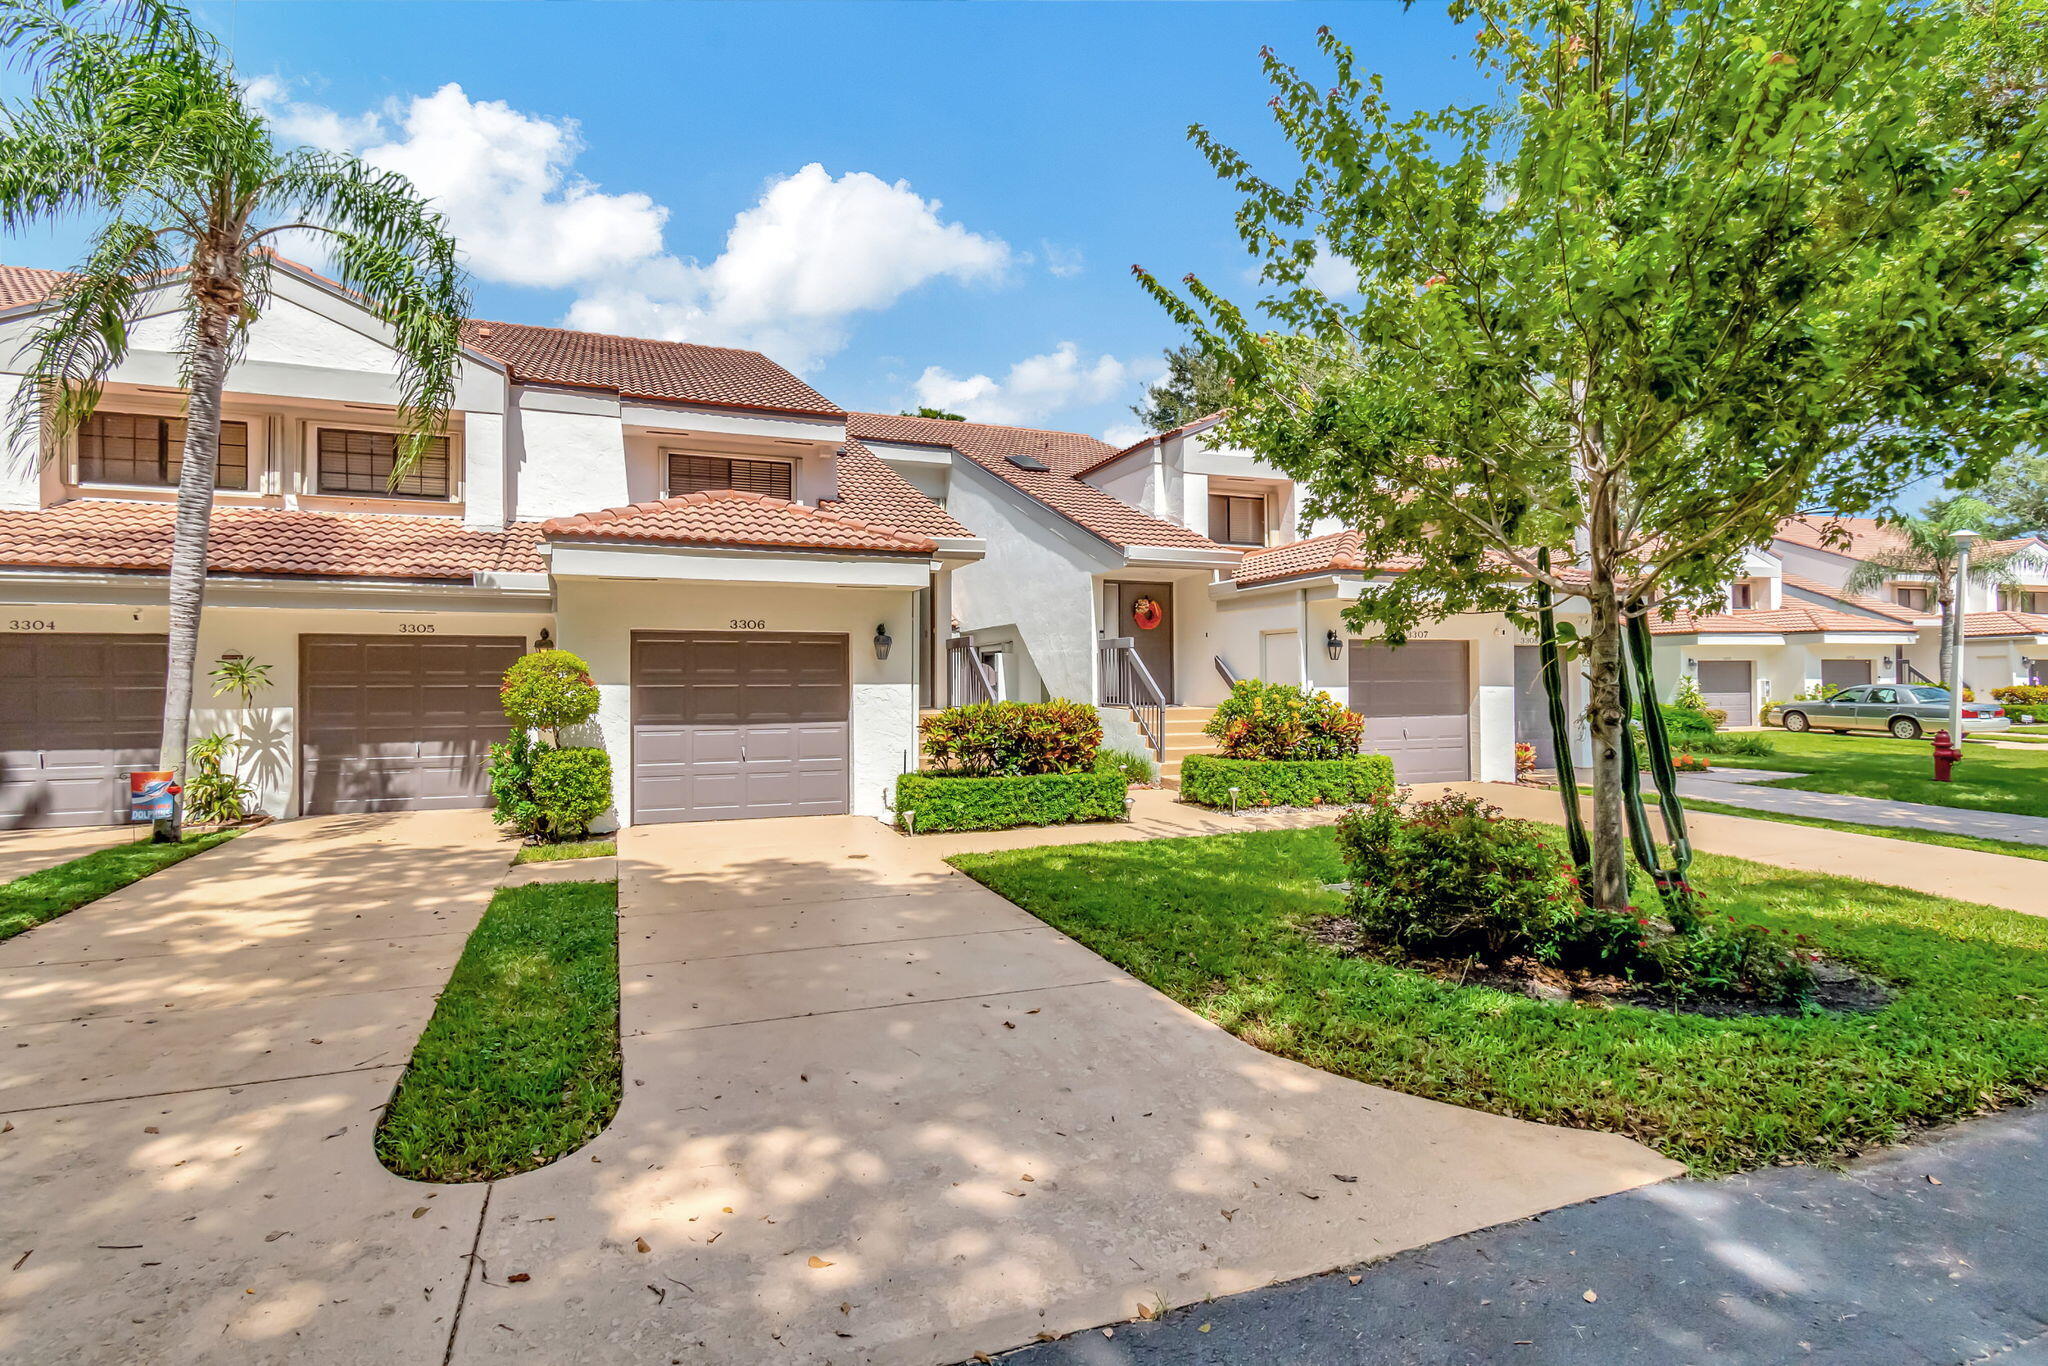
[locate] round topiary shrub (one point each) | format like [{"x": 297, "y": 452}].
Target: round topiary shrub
[
  {"x": 571, "y": 788},
  {"x": 547, "y": 690}
]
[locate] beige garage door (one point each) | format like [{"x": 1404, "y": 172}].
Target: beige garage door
[
  {"x": 76, "y": 713},
  {"x": 391, "y": 723},
  {"x": 1725, "y": 684},
  {"x": 728, "y": 726},
  {"x": 1416, "y": 701}
]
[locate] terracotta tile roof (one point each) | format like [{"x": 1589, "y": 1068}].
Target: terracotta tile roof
[
  {"x": 2015, "y": 543},
  {"x": 1798, "y": 619},
  {"x": 728, "y": 517},
  {"x": 1987, "y": 625},
  {"x": 92, "y": 534},
  {"x": 1206, "y": 420},
  {"x": 1865, "y": 534},
  {"x": 872, "y": 492},
  {"x": 1336, "y": 552},
  {"x": 1057, "y": 487},
  {"x": 678, "y": 372},
  {"x": 26, "y": 284},
  {"x": 1861, "y": 601}
]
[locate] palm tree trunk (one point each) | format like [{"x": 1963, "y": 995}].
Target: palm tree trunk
[{"x": 191, "y": 529}]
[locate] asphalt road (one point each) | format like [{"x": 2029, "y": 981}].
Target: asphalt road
[{"x": 1932, "y": 1253}]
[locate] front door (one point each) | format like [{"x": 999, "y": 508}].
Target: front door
[{"x": 1145, "y": 613}]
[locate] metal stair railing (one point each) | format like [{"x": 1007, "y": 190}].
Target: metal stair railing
[
  {"x": 1126, "y": 682},
  {"x": 971, "y": 680}
]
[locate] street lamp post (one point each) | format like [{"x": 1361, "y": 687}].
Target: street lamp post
[{"x": 1963, "y": 541}]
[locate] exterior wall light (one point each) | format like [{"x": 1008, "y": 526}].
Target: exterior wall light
[
  {"x": 882, "y": 641},
  {"x": 1332, "y": 646}
]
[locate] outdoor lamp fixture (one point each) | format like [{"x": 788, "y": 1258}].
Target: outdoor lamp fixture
[
  {"x": 882, "y": 641},
  {"x": 544, "y": 641},
  {"x": 1332, "y": 646}
]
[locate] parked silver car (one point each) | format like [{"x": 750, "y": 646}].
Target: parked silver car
[{"x": 1906, "y": 710}]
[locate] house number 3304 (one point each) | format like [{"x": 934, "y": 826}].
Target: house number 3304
[{"x": 31, "y": 624}]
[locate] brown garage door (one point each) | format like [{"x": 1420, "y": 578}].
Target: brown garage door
[
  {"x": 76, "y": 713},
  {"x": 1725, "y": 684},
  {"x": 1416, "y": 701},
  {"x": 388, "y": 723},
  {"x": 1836, "y": 674},
  {"x": 726, "y": 726}
]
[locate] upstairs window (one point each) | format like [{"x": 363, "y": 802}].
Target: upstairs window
[
  {"x": 2022, "y": 600},
  {"x": 1907, "y": 596},
  {"x": 136, "y": 448},
  {"x": 709, "y": 473},
  {"x": 360, "y": 463},
  {"x": 1235, "y": 520},
  {"x": 1741, "y": 595}
]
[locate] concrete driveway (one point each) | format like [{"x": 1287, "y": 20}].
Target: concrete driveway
[
  {"x": 192, "y": 1072},
  {"x": 875, "y": 1113}
]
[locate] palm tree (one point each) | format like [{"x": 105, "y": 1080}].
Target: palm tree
[
  {"x": 1925, "y": 545},
  {"x": 133, "y": 116}
]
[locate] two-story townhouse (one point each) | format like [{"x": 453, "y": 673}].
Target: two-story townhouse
[
  {"x": 1149, "y": 577},
  {"x": 756, "y": 593}
]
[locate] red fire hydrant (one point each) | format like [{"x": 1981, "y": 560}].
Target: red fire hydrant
[{"x": 1946, "y": 752}]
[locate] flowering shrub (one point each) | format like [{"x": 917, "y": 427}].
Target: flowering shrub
[
  {"x": 996, "y": 738},
  {"x": 2026, "y": 701},
  {"x": 1525, "y": 759},
  {"x": 1690, "y": 763},
  {"x": 547, "y": 690},
  {"x": 1283, "y": 721}
]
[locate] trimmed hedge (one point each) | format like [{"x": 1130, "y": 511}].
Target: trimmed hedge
[
  {"x": 945, "y": 801},
  {"x": 1206, "y": 780}
]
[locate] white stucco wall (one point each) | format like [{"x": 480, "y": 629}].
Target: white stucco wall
[
  {"x": 599, "y": 616},
  {"x": 1038, "y": 577},
  {"x": 267, "y": 635}
]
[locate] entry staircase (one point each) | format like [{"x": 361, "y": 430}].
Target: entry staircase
[{"x": 1183, "y": 737}]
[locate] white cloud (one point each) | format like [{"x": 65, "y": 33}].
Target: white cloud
[
  {"x": 815, "y": 251},
  {"x": 1033, "y": 388},
  {"x": 1122, "y": 434},
  {"x": 1065, "y": 262}
]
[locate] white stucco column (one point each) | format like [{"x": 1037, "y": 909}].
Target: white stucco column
[{"x": 483, "y": 470}]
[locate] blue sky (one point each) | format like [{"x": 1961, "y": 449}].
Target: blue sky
[{"x": 642, "y": 168}]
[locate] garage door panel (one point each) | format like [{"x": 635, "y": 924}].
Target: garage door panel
[
  {"x": 1416, "y": 703},
  {"x": 729, "y": 726},
  {"x": 395, "y": 724},
  {"x": 77, "y": 712},
  {"x": 1728, "y": 685}
]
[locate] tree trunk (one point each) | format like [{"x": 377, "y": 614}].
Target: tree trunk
[
  {"x": 218, "y": 295},
  {"x": 1605, "y": 719}
]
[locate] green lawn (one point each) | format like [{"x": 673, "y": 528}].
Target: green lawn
[
  {"x": 28, "y": 901},
  {"x": 520, "y": 1063},
  {"x": 574, "y": 849},
  {"x": 1987, "y": 779},
  {"x": 1893, "y": 832},
  {"x": 1217, "y": 924}
]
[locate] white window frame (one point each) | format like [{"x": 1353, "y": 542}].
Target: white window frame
[
  {"x": 1259, "y": 496},
  {"x": 309, "y": 465}
]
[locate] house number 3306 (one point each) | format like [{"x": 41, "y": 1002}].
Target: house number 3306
[{"x": 749, "y": 624}]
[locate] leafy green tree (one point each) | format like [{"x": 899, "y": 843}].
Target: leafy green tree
[
  {"x": 938, "y": 414},
  {"x": 133, "y": 118},
  {"x": 2017, "y": 493},
  {"x": 1701, "y": 264},
  {"x": 1926, "y": 545},
  {"x": 1195, "y": 385}
]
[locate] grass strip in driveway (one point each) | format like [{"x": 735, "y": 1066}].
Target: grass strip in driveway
[
  {"x": 1220, "y": 924},
  {"x": 1892, "y": 832},
  {"x": 520, "y": 1064},
  {"x": 48, "y": 893},
  {"x": 556, "y": 853},
  {"x": 1903, "y": 771}
]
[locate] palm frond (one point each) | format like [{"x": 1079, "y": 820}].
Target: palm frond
[{"x": 84, "y": 334}]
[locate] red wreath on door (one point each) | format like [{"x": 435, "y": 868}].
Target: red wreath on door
[{"x": 1148, "y": 614}]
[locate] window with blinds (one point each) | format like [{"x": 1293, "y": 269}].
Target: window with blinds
[
  {"x": 136, "y": 448},
  {"x": 1913, "y": 598},
  {"x": 703, "y": 473},
  {"x": 357, "y": 462},
  {"x": 1236, "y": 520}
]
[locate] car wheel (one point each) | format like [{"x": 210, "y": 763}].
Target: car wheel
[
  {"x": 1905, "y": 727},
  {"x": 1796, "y": 720}
]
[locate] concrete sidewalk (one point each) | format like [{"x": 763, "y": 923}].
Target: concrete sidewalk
[
  {"x": 30, "y": 851},
  {"x": 1741, "y": 787}
]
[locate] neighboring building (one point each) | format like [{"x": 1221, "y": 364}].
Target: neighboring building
[{"x": 751, "y": 588}]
